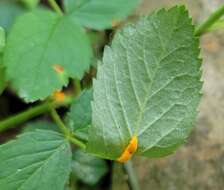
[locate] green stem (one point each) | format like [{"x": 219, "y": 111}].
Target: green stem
[
  {"x": 65, "y": 130},
  {"x": 26, "y": 115},
  {"x": 132, "y": 178},
  {"x": 210, "y": 21},
  {"x": 55, "y": 6},
  {"x": 77, "y": 87}
]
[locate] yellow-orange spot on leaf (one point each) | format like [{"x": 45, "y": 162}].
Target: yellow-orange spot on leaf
[
  {"x": 129, "y": 150},
  {"x": 58, "y": 68},
  {"x": 114, "y": 23},
  {"x": 59, "y": 96}
]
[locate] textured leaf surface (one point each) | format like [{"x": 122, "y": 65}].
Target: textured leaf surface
[
  {"x": 99, "y": 14},
  {"x": 41, "y": 125},
  {"x": 80, "y": 115},
  {"x": 88, "y": 168},
  {"x": 38, "y": 160},
  {"x": 9, "y": 10},
  {"x": 148, "y": 86},
  {"x": 38, "y": 42}
]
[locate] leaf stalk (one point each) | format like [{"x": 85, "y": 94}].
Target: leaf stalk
[{"x": 213, "y": 18}]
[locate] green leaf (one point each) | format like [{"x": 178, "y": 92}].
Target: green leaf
[
  {"x": 80, "y": 115},
  {"x": 2, "y": 39},
  {"x": 99, "y": 14},
  {"x": 39, "y": 42},
  {"x": 42, "y": 125},
  {"x": 148, "y": 86},
  {"x": 39, "y": 160},
  {"x": 9, "y": 10},
  {"x": 31, "y": 3},
  {"x": 2, "y": 76},
  {"x": 89, "y": 169}
]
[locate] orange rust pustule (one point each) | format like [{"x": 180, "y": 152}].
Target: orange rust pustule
[
  {"x": 129, "y": 150},
  {"x": 58, "y": 68},
  {"x": 115, "y": 23},
  {"x": 59, "y": 96}
]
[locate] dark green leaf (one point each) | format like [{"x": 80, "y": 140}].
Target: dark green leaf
[
  {"x": 80, "y": 115},
  {"x": 39, "y": 160},
  {"x": 39, "y": 42},
  {"x": 148, "y": 86},
  {"x": 9, "y": 10},
  {"x": 99, "y": 14},
  {"x": 88, "y": 168},
  {"x": 43, "y": 125}
]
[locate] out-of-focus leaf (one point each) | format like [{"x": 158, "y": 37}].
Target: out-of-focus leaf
[
  {"x": 42, "y": 51},
  {"x": 9, "y": 10},
  {"x": 99, "y": 14},
  {"x": 89, "y": 169},
  {"x": 80, "y": 115}
]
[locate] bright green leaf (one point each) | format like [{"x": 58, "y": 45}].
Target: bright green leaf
[
  {"x": 31, "y": 3},
  {"x": 39, "y": 42},
  {"x": 39, "y": 160},
  {"x": 80, "y": 115},
  {"x": 9, "y": 10},
  {"x": 148, "y": 86},
  {"x": 99, "y": 14},
  {"x": 88, "y": 168}
]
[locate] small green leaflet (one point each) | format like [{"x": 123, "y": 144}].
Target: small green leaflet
[
  {"x": 148, "y": 86},
  {"x": 80, "y": 115},
  {"x": 38, "y": 160},
  {"x": 99, "y": 14},
  {"x": 89, "y": 169},
  {"x": 41, "y": 42}
]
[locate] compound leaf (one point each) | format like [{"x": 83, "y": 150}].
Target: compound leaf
[
  {"x": 42, "y": 51},
  {"x": 89, "y": 169},
  {"x": 148, "y": 86},
  {"x": 38, "y": 160},
  {"x": 99, "y": 14}
]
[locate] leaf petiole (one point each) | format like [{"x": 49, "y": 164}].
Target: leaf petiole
[
  {"x": 212, "y": 19},
  {"x": 56, "y": 8}
]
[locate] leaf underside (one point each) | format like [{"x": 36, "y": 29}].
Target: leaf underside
[
  {"x": 99, "y": 14},
  {"x": 38, "y": 160},
  {"x": 36, "y": 44},
  {"x": 148, "y": 85}
]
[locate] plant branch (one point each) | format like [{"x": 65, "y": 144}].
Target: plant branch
[
  {"x": 213, "y": 18},
  {"x": 56, "y": 8},
  {"x": 26, "y": 115},
  {"x": 132, "y": 178},
  {"x": 65, "y": 130}
]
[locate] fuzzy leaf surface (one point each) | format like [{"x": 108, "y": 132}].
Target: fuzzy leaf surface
[
  {"x": 38, "y": 160},
  {"x": 148, "y": 86}
]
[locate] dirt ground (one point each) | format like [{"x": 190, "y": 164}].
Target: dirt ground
[{"x": 198, "y": 165}]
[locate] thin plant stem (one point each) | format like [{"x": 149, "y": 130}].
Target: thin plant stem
[
  {"x": 65, "y": 130},
  {"x": 19, "y": 118},
  {"x": 56, "y": 8},
  {"x": 132, "y": 177},
  {"x": 213, "y": 18}
]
